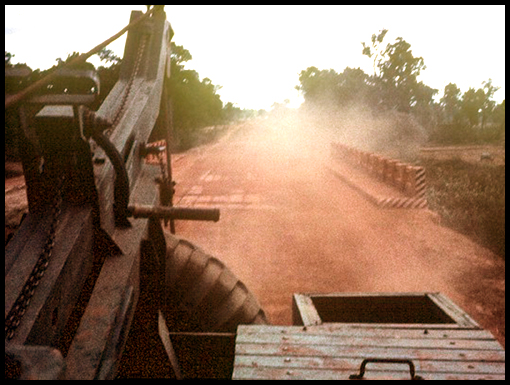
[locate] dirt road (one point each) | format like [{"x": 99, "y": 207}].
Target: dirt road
[{"x": 289, "y": 225}]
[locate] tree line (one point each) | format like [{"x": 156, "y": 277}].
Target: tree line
[
  {"x": 196, "y": 103},
  {"x": 394, "y": 85}
]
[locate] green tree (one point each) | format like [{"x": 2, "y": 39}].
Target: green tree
[
  {"x": 109, "y": 75},
  {"x": 499, "y": 113},
  {"x": 179, "y": 55},
  {"x": 498, "y": 116},
  {"x": 353, "y": 86},
  {"x": 375, "y": 50},
  {"x": 328, "y": 88},
  {"x": 472, "y": 104},
  {"x": 8, "y": 58},
  {"x": 398, "y": 71},
  {"x": 231, "y": 113},
  {"x": 423, "y": 106},
  {"x": 422, "y": 95},
  {"x": 80, "y": 66},
  {"x": 488, "y": 103},
  {"x": 450, "y": 102},
  {"x": 108, "y": 56},
  {"x": 196, "y": 103},
  {"x": 318, "y": 85}
]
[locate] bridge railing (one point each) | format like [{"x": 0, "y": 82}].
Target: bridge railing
[{"x": 408, "y": 179}]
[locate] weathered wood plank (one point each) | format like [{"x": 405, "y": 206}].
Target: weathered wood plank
[
  {"x": 335, "y": 351},
  {"x": 102, "y": 316},
  {"x": 381, "y": 308},
  {"x": 368, "y": 332},
  {"x": 367, "y": 351},
  {"x": 360, "y": 340},
  {"x": 245, "y": 373},
  {"x": 454, "y": 311},
  {"x": 303, "y": 311},
  {"x": 353, "y": 363}
]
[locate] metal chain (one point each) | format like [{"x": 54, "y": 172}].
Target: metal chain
[
  {"x": 127, "y": 91},
  {"x": 19, "y": 308}
]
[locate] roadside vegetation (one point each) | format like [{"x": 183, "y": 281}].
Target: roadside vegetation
[
  {"x": 470, "y": 197},
  {"x": 196, "y": 104}
]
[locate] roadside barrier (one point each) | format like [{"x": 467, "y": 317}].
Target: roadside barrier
[{"x": 408, "y": 179}]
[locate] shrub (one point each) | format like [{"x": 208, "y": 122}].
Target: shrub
[{"x": 470, "y": 198}]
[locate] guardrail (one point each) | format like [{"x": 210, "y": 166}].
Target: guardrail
[{"x": 408, "y": 179}]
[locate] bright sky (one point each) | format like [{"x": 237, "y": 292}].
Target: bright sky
[{"x": 257, "y": 52}]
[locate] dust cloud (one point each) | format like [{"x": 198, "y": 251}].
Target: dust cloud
[
  {"x": 311, "y": 129},
  {"x": 301, "y": 230},
  {"x": 390, "y": 133}
]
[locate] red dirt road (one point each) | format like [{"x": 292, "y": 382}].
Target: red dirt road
[{"x": 288, "y": 225}]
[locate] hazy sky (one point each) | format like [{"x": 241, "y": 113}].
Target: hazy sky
[{"x": 257, "y": 52}]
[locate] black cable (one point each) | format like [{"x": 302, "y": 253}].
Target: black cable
[{"x": 121, "y": 186}]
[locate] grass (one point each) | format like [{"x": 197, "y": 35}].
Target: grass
[{"x": 470, "y": 199}]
